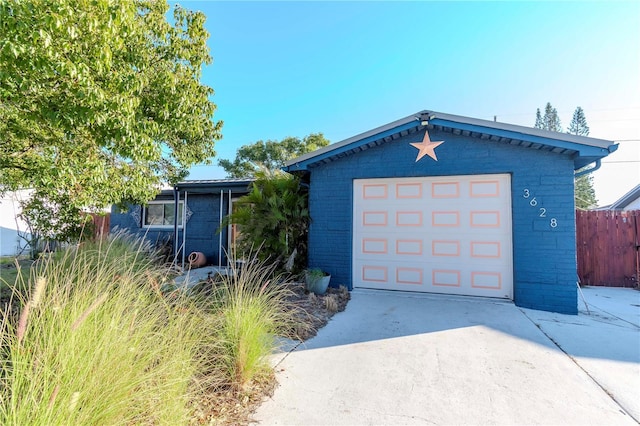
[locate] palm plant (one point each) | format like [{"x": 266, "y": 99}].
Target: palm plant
[{"x": 274, "y": 216}]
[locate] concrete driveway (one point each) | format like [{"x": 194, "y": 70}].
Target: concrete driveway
[{"x": 394, "y": 358}]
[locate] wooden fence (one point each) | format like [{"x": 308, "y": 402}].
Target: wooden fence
[
  {"x": 608, "y": 245},
  {"x": 101, "y": 225}
]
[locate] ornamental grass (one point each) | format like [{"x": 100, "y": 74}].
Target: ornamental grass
[{"x": 103, "y": 338}]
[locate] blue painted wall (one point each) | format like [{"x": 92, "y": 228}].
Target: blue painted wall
[
  {"x": 544, "y": 257},
  {"x": 201, "y": 227}
]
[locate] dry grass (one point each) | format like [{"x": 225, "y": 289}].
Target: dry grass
[
  {"x": 231, "y": 406},
  {"x": 331, "y": 303},
  {"x": 102, "y": 338}
]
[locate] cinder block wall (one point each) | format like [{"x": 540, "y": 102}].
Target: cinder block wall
[{"x": 544, "y": 256}]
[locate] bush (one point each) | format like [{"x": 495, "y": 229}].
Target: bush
[
  {"x": 103, "y": 338},
  {"x": 275, "y": 217},
  {"x": 98, "y": 343},
  {"x": 253, "y": 312}
]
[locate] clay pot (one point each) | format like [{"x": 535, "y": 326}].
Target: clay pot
[{"x": 197, "y": 259}]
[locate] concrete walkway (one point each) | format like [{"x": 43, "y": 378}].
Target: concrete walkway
[
  {"x": 394, "y": 358},
  {"x": 604, "y": 340},
  {"x": 191, "y": 277}
]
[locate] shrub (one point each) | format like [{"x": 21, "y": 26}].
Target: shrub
[
  {"x": 275, "y": 217},
  {"x": 98, "y": 343},
  {"x": 253, "y": 311},
  {"x": 102, "y": 338}
]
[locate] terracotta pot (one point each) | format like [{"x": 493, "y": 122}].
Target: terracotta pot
[{"x": 197, "y": 259}]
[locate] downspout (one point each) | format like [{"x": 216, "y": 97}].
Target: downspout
[{"x": 591, "y": 170}]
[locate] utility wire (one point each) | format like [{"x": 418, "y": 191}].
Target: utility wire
[{"x": 567, "y": 111}]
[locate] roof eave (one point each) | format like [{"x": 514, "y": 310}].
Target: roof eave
[
  {"x": 214, "y": 186},
  {"x": 626, "y": 199},
  {"x": 339, "y": 148},
  {"x": 587, "y": 154},
  {"x": 588, "y": 149},
  {"x": 518, "y": 129}
]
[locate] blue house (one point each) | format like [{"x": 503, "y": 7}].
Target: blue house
[
  {"x": 188, "y": 217},
  {"x": 442, "y": 203}
]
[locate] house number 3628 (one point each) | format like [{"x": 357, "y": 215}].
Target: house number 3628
[{"x": 553, "y": 222}]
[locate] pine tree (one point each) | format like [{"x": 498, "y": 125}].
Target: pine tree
[
  {"x": 538, "y": 124},
  {"x": 550, "y": 120},
  {"x": 585, "y": 194},
  {"x": 578, "y": 125}
]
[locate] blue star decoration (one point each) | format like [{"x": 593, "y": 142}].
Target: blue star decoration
[{"x": 426, "y": 147}]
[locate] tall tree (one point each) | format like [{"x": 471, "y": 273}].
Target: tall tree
[
  {"x": 550, "y": 120},
  {"x": 578, "y": 125},
  {"x": 101, "y": 101},
  {"x": 585, "y": 193},
  {"x": 539, "y": 122},
  {"x": 270, "y": 154}
]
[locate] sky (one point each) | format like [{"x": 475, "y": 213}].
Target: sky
[{"x": 342, "y": 68}]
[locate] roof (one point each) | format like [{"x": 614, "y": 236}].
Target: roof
[
  {"x": 214, "y": 186},
  {"x": 626, "y": 199},
  {"x": 584, "y": 150}
]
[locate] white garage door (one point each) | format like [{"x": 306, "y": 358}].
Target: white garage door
[{"x": 447, "y": 234}]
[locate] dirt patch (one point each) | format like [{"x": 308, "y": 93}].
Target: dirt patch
[
  {"x": 234, "y": 407},
  {"x": 314, "y": 311}
]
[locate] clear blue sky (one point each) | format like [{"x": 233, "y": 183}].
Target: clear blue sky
[{"x": 292, "y": 68}]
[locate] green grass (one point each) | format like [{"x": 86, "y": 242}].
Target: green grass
[
  {"x": 12, "y": 275},
  {"x": 99, "y": 340}
]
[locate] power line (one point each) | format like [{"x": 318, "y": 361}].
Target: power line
[
  {"x": 608, "y": 120},
  {"x": 623, "y": 161},
  {"x": 567, "y": 111},
  {"x": 592, "y": 112}
]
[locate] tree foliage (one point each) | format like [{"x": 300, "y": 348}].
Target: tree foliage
[
  {"x": 274, "y": 217},
  {"x": 578, "y": 125},
  {"x": 549, "y": 121},
  {"x": 270, "y": 154},
  {"x": 585, "y": 194},
  {"x": 101, "y": 101},
  {"x": 50, "y": 218},
  {"x": 584, "y": 190}
]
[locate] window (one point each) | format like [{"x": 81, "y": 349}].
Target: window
[{"x": 159, "y": 214}]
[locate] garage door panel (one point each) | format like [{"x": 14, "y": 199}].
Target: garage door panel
[
  {"x": 440, "y": 279},
  {"x": 447, "y": 234}
]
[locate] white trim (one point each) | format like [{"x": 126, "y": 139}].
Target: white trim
[
  {"x": 184, "y": 223},
  {"x": 219, "y": 225},
  {"x": 229, "y": 253},
  {"x": 144, "y": 215}
]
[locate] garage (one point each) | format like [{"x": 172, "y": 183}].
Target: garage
[
  {"x": 448, "y": 234},
  {"x": 443, "y": 203}
]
